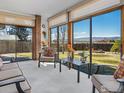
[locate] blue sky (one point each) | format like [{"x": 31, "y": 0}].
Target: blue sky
[
  {"x": 106, "y": 25},
  {"x": 82, "y": 29},
  {"x": 54, "y": 33}
]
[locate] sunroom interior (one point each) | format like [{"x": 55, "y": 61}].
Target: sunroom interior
[{"x": 85, "y": 35}]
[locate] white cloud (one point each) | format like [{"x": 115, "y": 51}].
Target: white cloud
[{"x": 80, "y": 34}]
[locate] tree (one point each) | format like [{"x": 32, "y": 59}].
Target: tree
[
  {"x": 62, "y": 36},
  {"x": 116, "y": 46},
  {"x": 22, "y": 33}
]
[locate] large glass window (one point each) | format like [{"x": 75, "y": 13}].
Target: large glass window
[
  {"x": 106, "y": 37},
  {"x": 81, "y": 39},
  {"x": 103, "y": 38},
  {"x": 105, "y": 34}
]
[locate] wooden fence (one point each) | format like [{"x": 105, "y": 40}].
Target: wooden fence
[{"x": 12, "y": 46}]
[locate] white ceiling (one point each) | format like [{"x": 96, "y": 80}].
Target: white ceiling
[{"x": 40, "y": 7}]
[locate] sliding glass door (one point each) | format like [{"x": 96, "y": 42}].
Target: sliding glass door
[{"x": 15, "y": 43}]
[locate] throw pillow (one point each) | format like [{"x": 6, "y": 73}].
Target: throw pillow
[
  {"x": 49, "y": 52},
  {"x": 119, "y": 73}
]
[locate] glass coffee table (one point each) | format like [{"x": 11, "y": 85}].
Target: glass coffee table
[{"x": 72, "y": 62}]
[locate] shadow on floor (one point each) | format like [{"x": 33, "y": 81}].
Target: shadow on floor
[
  {"x": 103, "y": 69},
  {"x": 12, "y": 59}
]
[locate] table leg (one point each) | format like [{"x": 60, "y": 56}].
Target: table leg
[
  {"x": 121, "y": 88},
  {"x": 98, "y": 68},
  {"x": 78, "y": 75},
  {"x": 69, "y": 65},
  {"x": 89, "y": 72},
  {"x": 54, "y": 64},
  {"x": 60, "y": 66},
  {"x": 93, "y": 91},
  {"x": 18, "y": 87},
  {"x": 38, "y": 64}
]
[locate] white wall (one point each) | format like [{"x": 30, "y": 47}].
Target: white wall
[{"x": 44, "y": 21}]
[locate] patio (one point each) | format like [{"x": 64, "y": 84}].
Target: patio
[{"x": 49, "y": 80}]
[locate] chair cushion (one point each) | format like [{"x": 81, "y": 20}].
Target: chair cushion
[
  {"x": 49, "y": 52},
  {"x": 119, "y": 73},
  {"x": 10, "y": 73},
  {"x": 1, "y": 63},
  {"x": 105, "y": 83},
  {"x": 12, "y": 88},
  {"x": 46, "y": 59}
]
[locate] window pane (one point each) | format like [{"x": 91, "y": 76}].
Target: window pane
[
  {"x": 106, "y": 37},
  {"x": 81, "y": 39},
  {"x": 63, "y": 41},
  {"x": 7, "y": 42},
  {"x": 54, "y": 38}
]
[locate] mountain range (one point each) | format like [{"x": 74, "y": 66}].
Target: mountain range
[{"x": 86, "y": 39}]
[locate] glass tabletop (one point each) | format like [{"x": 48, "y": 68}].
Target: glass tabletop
[{"x": 73, "y": 61}]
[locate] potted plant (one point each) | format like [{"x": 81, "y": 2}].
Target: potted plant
[
  {"x": 83, "y": 57},
  {"x": 70, "y": 51}
]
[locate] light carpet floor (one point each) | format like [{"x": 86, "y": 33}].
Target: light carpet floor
[{"x": 46, "y": 79}]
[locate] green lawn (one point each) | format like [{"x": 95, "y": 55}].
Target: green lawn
[
  {"x": 29, "y": 55},
  {"x": 107, "y": 58}
]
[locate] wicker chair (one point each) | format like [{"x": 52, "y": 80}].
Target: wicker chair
[
  {"x": 110, "y": 83},
  {"x": 48, "y": 55}
]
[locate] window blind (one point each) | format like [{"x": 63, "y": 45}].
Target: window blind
[
  {"x": 58, "y": 20},
  {"x": 15, "y": 19},
  {"x": 92, "y": 7}
]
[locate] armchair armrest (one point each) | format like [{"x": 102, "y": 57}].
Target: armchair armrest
[
  {"x": 121, "y": 80},
  {"x": 16, "y": 81},
  {"x": 12, "y": 81}
]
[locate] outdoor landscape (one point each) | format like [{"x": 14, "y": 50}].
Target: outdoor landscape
[{"x": 106, "y": 50}]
